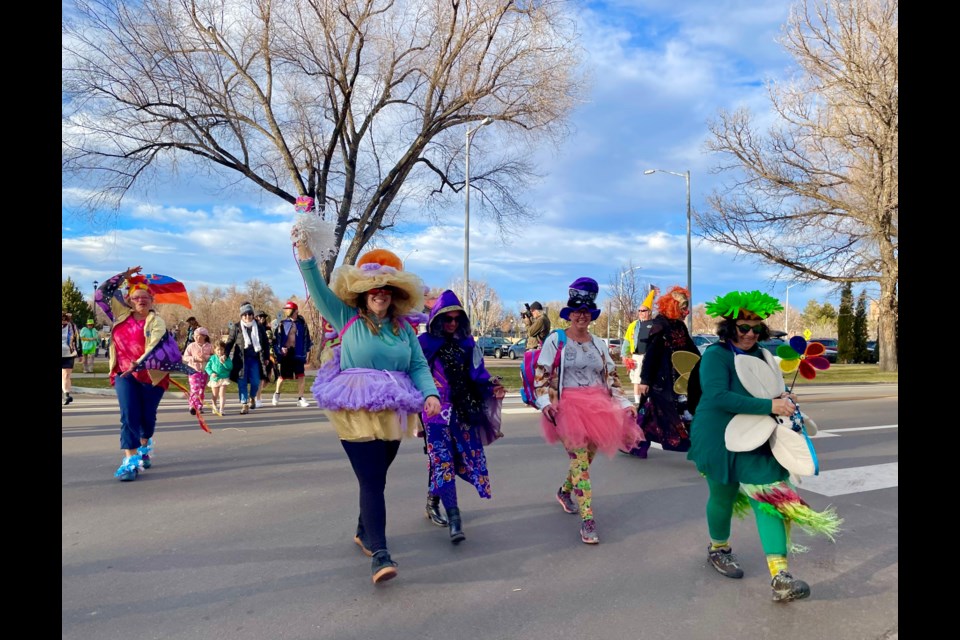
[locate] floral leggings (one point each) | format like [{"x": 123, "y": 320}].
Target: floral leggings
[
  {"x": 198, "y": 383},
  {"x": 578, "y": 479}
]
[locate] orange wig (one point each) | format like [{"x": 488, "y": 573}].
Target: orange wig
[{"x": 672, "y": 303}]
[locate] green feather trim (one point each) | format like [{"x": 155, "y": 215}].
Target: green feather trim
[{"x": 730, "y": 305}]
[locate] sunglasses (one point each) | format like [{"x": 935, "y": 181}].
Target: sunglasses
[
  {"x": 581, "y": 300},
  {"x": 450, "y": 318},
  {"x": 385, "y": 291},
  {"x": 746, "y": 328}
]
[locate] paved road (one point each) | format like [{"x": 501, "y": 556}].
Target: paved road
[{"x": 246, "y": 534}]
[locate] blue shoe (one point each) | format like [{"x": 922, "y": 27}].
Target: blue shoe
[
  {"x": 129, "y": 469},
  {"x": 145, "y": 450}
]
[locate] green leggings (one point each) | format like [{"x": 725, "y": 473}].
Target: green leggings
[
  {"x": 578, "y": 480},
  {"x": 772, "y": 530}
]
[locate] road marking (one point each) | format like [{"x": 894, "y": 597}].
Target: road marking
[{"x": 840, "y": 482}]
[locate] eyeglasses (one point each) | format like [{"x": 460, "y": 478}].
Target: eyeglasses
[
  {"x": 746, "y": 328},
  {"x": 380, "y": 291},
  {"x": 140, "y": 299},
  {"x": 450, "y": 318},
  {"x": 643, "y": 310}
]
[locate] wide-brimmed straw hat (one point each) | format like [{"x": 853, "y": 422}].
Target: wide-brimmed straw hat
[{"x": 375, "y": 269}]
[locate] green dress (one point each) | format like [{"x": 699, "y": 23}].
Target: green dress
[{"x": 723, "y": 398}]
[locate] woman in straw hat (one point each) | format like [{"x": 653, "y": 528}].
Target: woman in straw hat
[
  {"x": 742, "y": 475},
  {"x": 378, "y": 381}
]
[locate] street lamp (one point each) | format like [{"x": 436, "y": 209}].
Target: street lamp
[
  {"x": 620, "y": 300},
  {"x": 685, "y": 175},
  {"x": 786, "y": 313},
  {"x": 466, "y": 218}
]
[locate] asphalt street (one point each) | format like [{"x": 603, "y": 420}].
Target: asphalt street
[{"x": 246, "y": 534}]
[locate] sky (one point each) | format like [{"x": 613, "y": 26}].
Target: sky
[{"x": 660, "y": 70}]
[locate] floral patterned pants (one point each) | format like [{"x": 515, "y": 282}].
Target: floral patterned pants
[
  {"x": 578, "y": 480},
  {"x": 198, "y": 383}
]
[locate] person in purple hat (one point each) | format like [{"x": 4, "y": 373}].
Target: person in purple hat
[
  {"x": 582, "y": 402},
  {"x": 470, "y": 403}
]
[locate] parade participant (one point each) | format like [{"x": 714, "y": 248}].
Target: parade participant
[
  {"x": 663, "y": 414},
  {"x": 582, "y": 403},
  {"x": 247, "y": 346},
  {"x": 741, "y": 480},
  {"x": 469, "y": 415},
  {"x": 377, "y": 382},
  {"x": 634, "y": 345},
  {"x": 142, "y": 355},
  {"x": 69, "y": 347},
  {"x": 195, "y": 356},
  {"x": 292, "y": 344},
  {"x": 89, "y": 337},
  {"x": 218, "y": 367}
]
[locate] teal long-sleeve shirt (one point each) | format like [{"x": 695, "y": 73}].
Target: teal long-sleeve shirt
[
  {"x": 360, "y": 347},
  {"x": 724, "y": 396}
]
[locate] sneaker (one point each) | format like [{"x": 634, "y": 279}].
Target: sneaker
[
  {"x": 276, "y": 399},
  {"x": 245, "y": 409},
  {"x": 786, "y": 588},
  {"x": 302, "y": 402},
  {"x": 725, "y": 562},
  {"x": 193, "y": 411},
  {"x": 144, "y": 452},
  {"x": 129, "y": 469},
  {"x": 588, "y": 532},
  {"x": 566, "y": 501},
  {"x": 258, "y": 404},
  {"x": 383, "y": 567}
]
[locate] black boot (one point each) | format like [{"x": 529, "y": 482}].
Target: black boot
[
  {"x": 456, "y": 530},
  {"x": 433, "y": 511}
]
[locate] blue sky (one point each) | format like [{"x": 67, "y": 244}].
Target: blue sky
[{"x": 659, "y": 72}]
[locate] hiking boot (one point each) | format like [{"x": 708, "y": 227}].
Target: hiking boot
[
  {"x": 245, "y": 409},
  {"x": 588, "y": 532},
  {"x": 276, "y": 399},
  {"x": 566, "y": 501},
  {"x": 383, "y": 567},
  {"x": 786, "y": 587},
  {"x": 725, "y": 562},
  {"x": 433, "y": 511}
]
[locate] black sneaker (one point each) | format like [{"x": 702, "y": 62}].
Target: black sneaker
[
  {"x": 786, "y": 588},
  {"x": 383, "y": 567},
  {"x": 725, "y": 562}
]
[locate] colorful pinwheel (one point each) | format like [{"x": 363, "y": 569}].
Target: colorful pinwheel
[{"x": 799, "y": 354}]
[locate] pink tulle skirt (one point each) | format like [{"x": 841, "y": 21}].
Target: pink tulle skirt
[{"x": 588, "y": 417}]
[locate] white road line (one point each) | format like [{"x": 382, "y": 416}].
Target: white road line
[{"x": 840, "y": 482}]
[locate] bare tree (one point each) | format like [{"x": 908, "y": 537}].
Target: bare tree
[
  {"x": 818, "y": 193},
  {"x": 362, "y": 104}
]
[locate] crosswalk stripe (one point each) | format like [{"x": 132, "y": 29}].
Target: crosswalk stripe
[{"x": 838, "y": 482}]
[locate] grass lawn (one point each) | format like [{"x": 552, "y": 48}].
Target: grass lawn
[{"x": 836, "y": 374}]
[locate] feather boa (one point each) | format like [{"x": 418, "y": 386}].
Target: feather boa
[
  {"x": 317, "y": 233},
  {"x": 782, "y": 500}
]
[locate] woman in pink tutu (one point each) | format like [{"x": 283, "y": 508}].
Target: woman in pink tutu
[{"x": 582, "y": 402}]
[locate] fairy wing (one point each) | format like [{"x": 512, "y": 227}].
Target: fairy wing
[{"x": 683, "y": 363}]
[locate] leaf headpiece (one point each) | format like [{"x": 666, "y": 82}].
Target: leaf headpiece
[{"x": 731, "y": 304}]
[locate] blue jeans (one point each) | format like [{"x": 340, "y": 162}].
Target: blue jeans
[
  {"x": 138, "y": 410},
  {"x": 250, "y": 380}
]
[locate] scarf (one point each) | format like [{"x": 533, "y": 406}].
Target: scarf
[{"x": 251, "y": 335}]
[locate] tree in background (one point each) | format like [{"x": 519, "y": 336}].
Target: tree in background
[
  {"x": 860, "y": 351},
  {"x": 818, "y": 193},
  {"x": 820, "y": 319},
  {"x": 72, "y": 301},
  {"x": 845, "y": 337},
  {"x": 361, "y": 105}
]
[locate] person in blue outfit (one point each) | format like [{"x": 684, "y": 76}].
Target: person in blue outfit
[
  {"x": 470, "y": 403},
  {"x": 377, "y": 381}
]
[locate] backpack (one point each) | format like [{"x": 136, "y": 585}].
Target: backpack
[{"x": 528, "y": 368}]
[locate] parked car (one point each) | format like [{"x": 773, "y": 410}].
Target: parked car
[
  {"x": 831, "y": 348},
  {"x": 493, "y": 346},
  {"x": 514, "y": 351},
  {"x": 704, "y": 340},
  {"x": 614, "y": 345}
]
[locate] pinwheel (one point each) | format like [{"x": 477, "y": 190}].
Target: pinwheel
[{"x": 802, "y": 357}]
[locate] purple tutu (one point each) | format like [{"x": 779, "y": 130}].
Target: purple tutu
[{"x": 364, "y": 389}]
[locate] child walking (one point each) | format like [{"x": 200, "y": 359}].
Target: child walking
[
  {"x": 218, "y": 367},
  {"x": 196, "y": 355}
]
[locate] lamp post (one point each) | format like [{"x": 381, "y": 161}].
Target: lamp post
[
  {"x": 686, "y": 176},
  {"x": 620, "y": 301},
  {"x": 466, "y": 218},
  {"x": 786, "y": 310}
]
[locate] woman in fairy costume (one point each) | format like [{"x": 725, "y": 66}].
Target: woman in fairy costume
[{"x": 755, "y": 478}]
